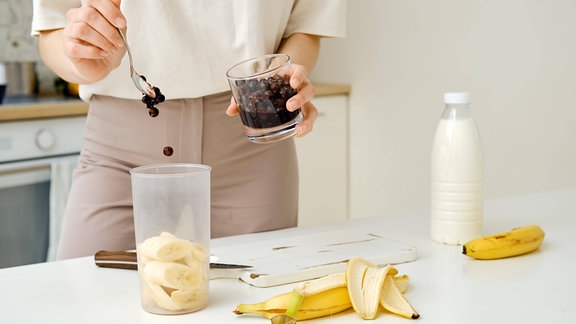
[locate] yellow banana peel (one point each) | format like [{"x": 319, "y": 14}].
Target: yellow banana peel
[
  {"x": 326, "y": 303},
  {"x": 364, "y": 286}
]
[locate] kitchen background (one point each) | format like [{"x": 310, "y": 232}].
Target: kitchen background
[
  {"x": 516, "y": 57},
  {"x": 17, "y": 47}
]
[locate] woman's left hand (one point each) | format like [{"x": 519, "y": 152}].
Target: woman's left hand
[{"x": 306, "y": 91}]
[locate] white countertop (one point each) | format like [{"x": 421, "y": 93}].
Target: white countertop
[{"x": 445, "y": 286}]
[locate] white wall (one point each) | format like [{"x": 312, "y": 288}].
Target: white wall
[{"x": 516, "y": 57}]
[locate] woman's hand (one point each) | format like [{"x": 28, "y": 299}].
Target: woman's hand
[
  {"x": 91, "y": 41},
  {"x": 306, "y": 91}
]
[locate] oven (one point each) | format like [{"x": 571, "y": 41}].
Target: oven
[{"x": 37, "y": 159}]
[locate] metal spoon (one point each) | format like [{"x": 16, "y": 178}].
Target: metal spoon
[{"x": 138, "y": 79}]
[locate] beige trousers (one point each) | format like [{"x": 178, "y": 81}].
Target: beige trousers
[{"x": 254, "y": 187}]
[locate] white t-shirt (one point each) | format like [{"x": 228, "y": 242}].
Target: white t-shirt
[{"x": 184, "y": 47}]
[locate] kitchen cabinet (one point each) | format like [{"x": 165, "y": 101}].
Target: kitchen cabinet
[
  {"x": 323, "y": 163},
  {"x": 42, "y": 109}
]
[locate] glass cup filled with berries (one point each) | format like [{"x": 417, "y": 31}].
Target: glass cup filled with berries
[{"x": 260, "y": 86}]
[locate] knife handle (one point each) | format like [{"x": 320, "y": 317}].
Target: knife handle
[
  {"x": 129, "y": 260},
  {"x": 116, "y": 259}
]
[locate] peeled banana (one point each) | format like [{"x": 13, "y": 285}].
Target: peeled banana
[
  {"x": 363, "y": 287},
  {"x": 517, "y": 241},
  {"x": 305, "y": 289},
  {"x": 174, "y": 274},
  {"x": 325, "y": 303}
]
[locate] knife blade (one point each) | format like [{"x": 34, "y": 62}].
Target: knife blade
[{"x": 129, "y": 260}]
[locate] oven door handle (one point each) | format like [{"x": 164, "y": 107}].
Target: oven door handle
[{"x": 14, "y": 174}]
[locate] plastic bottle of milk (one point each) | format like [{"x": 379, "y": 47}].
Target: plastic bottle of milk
[{"x": 456, "y": 174}]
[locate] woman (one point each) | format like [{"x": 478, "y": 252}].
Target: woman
[{"x": 184, "y": 48}]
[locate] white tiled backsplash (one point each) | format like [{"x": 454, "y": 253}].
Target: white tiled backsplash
[{"x": 16, "y": 44}]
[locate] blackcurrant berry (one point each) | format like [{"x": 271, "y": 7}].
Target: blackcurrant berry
[{"x": 153, "y": 112}]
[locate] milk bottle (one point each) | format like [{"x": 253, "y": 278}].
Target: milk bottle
[{"x": 456, "y": 174}]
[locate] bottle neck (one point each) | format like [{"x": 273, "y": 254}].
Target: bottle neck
[{"x": 457, "y": 111}]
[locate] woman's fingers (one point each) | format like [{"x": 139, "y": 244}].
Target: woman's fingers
[
  {"x": 310, "y": 113},
  {"x": 299, "y": 74},
  {"x": 306, "y": 90},
  {"x": 232, "y": 109},
  {"x": 305, "y": 94},
  {"x": 110, "y": 10},
  {"x": 91, "y": 30}
]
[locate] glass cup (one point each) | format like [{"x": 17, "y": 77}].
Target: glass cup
[
  {"x": 172, "y": 225},
  {"x": 261, "y": 89}
]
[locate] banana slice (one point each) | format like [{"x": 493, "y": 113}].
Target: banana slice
[
  {"x": 165, "y": 247},
  {"x": 189, "y": 299},
  {"x": 159, "y": 296},
  {"x": 198, "y": 256},
  {"x": 174, "y": 273},
  {"x": 171, "y": 274}
]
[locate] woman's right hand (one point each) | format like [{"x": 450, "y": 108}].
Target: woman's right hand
[{"x": 91, "y": 41}]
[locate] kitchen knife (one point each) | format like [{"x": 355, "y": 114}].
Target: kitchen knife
[{"x": 128, "y": 260}]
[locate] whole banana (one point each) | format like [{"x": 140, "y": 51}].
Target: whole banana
[{"x": 517, "y": 241}]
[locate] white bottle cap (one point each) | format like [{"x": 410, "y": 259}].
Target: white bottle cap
[{"x": 456, "y": 97}]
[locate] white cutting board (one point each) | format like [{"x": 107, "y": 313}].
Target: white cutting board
[{"x": 302, "y": 257}]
